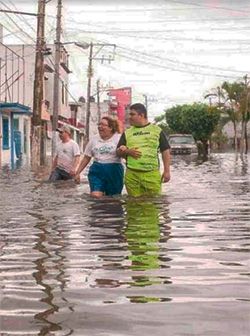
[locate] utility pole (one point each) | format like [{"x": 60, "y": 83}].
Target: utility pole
[
  {"x": 37, "y": 141},
  {"x": 244, "y": 115},
  {"x": 56, "y": 75},
  {"x": 146, "y": 101},
  {"x": 90, "y": 74},
  {"x": 98, "y": 99}
]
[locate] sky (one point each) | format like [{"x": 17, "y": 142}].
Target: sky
[{"x": 173, "y": 52}]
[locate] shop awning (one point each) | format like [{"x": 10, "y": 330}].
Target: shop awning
[{"x": 15, "y": 108}]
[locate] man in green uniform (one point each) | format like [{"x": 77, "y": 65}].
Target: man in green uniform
[{"x": 140, "y": 145}]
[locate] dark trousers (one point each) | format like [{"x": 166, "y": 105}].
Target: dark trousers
[{"x": 59, "y": 174}]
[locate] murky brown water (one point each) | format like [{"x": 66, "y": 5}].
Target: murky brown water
[{"x": 174, "y": 265}]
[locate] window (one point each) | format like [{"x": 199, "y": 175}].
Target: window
[
  {"x": 181, "y": 139},
  {"x": 16, "y": 124},
  {"x": 6, "y": 136}
]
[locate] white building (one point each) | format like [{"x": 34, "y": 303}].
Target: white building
[
  {"x": 17, "y": 81},
  {"x": 14, "y": 113}
]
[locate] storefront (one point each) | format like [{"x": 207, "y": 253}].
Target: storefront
[{"x": 14, "y": 133}]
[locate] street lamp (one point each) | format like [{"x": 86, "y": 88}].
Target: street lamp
[
  {"x": 91, "y": 57},
  {"x": 58, "y": 45},
  {"x": 90, "y": 73}
]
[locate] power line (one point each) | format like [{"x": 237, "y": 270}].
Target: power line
[
  {"x": 126, "y": 10},
  {"x": 175, "y": 66},
  {"x": 21, "y": 16},
  {"x": 177, "y": 62},
  {"x": 175, "y": 38},
  {"x": 208, "y": 7},
  {"x": 16, "y": 12},
  {"x": 158, "y": 9},
  {"x": 173, "y": 62},
  {"x": 52, "y": 62},
  {"x": 15, "y": 24},
  {"x": 173, "y": 30},
  {"x": 164, "y": 21},
  {"x": 33, "y": 46},
  {"x": 162, "y": 66},
  {"x": 170, "y": 38}
]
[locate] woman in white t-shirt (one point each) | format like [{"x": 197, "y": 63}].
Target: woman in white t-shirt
[{"x": 106, "y": 173}]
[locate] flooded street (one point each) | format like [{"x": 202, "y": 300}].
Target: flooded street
[{"x": 177, "y": 265}]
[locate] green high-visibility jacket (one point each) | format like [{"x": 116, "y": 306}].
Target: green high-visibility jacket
[{"x": 146, "y": 139}]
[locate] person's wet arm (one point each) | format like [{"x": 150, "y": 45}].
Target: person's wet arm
[
  {"x": 124, "y": 151},
  {"x": 166, "y": 158},
  {"x": 76, "y": 161},
  {"x": 54, "y": 164},
  {"x": 84, "y": 162},
  {"x": 121, "y": 146}
]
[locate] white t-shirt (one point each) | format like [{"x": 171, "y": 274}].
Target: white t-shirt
[
  {"x": 66, "y": 152},
  {"x": 103, "y": 151}
]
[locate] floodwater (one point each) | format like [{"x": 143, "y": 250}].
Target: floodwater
[{"x": 174, "y": 265}]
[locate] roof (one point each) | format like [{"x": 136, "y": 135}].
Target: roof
[{"x": 15, "y": 108}]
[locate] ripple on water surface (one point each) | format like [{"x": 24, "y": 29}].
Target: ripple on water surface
[{"x": 178, "y": 263}]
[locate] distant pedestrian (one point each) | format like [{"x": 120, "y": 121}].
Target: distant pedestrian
[
  {"x": 140, "y": 145},
  {"x": 67, "y": 157},
  {"x": 106, "y": 172}
]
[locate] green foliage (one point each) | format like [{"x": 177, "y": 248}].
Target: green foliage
[
  {"x": 233, "y": 90},
  {"x": 160, "y": 118},
  {"x": 198, "y": 119},
  {"x": 218, "y": 138},
  {"x": 161, "y": 122}
]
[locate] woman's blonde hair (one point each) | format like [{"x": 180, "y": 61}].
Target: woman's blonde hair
[{"x": 113, "y": 124}]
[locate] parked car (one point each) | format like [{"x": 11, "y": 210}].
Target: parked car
[{"x": 183, "y": 144}]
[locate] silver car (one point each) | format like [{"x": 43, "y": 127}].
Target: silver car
[{"x": 183, "y": 144}]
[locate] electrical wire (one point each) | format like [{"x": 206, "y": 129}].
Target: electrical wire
[
  {"x": 15, "y": 24},
  {"x": 174, "y": 62},
  {"x": 187, "y": 3},
  {"x": 30, "y": 37},
  {"x": 152, "y": 58}
]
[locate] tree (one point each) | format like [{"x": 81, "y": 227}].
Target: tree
[
  {"x": 198, "y": 119},
  {"x": 244, "y": 110},
  {"x": 233, "y": 92},
  {"x": 161, "y": 122},
  {"x": 227, "y": 96},
  {"x": 233, "y": 99},
  {"x": 217, "y": 93}
]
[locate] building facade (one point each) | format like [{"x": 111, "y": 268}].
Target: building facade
[
  {"x": 15, "y": 115},
  {"x": 119, "y": 101},
  {"x": 20, "y": 73}
]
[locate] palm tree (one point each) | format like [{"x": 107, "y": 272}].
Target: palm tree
[
  {"x": 219, "y": 94},
  {"x": 234, "y": 93},
  {"x": 227, "y": 102},
  {"x": 244, "y": 108}
]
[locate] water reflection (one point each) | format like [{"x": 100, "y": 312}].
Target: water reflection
[
  {"x": 50, "y": 271},
  {"x": 73, "y": 265},
  {"x": 130, "y": 234},
  {"x": 142, "y": 234}
]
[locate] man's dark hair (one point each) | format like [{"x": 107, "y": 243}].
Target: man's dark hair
[{"x": 139, "y": 108}]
